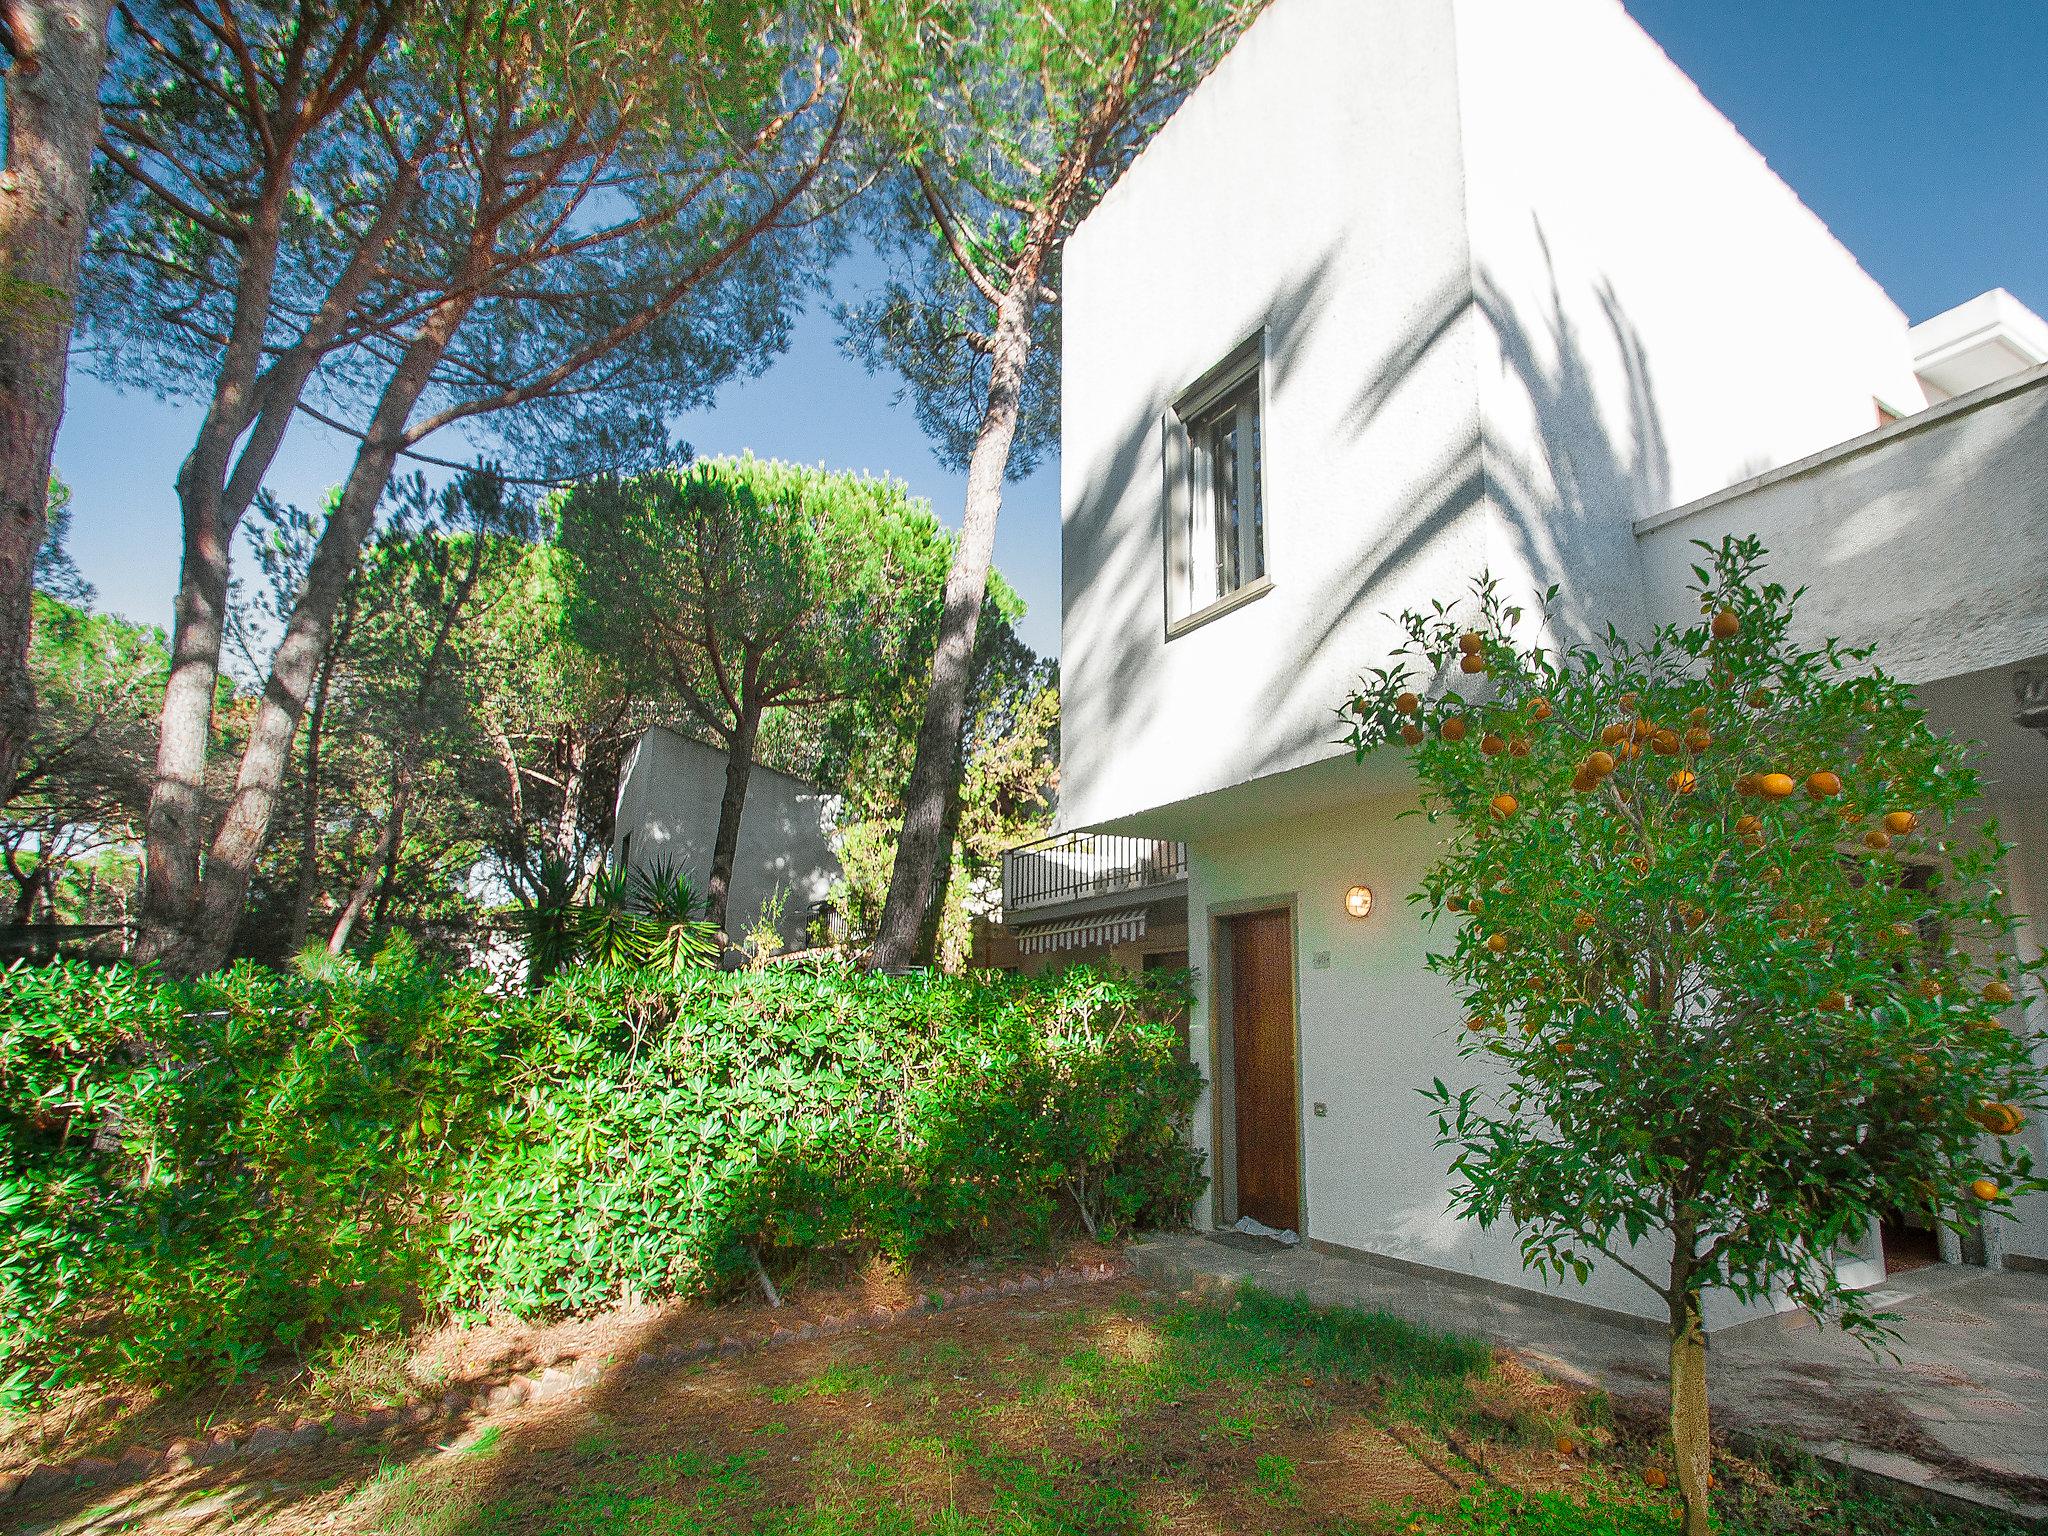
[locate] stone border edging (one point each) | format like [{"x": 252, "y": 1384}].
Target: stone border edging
[{"x": 567, "y": 1373}]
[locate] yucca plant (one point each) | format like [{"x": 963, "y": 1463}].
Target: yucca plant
[
  {"x": 612, "y": 933},
  {"x": 676, "y": 938},
  {"x": 548, "y": 920}
]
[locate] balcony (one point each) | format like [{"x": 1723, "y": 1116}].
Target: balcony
[{"x": 1081, "y": 866}]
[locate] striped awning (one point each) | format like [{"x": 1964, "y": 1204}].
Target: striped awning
[{"x": 1081, "y": 932}]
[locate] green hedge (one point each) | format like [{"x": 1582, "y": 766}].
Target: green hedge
[{"x": 196, "y": 1175}]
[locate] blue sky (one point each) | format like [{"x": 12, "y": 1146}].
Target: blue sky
[{"x": 1915, "y": 130}]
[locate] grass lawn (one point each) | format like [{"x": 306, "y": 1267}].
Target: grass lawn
[{"x": 1108, "y": 1411}]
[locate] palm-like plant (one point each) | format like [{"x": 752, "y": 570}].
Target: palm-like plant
[
  {"x": 612, "y": 932},
  {"x": 676, "y": 938},
  {"x": 548, "y": 918}
]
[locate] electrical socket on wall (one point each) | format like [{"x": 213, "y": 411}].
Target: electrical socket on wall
[{"x": 1320, "y": 960}]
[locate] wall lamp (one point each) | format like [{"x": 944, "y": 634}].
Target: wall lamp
[{"x": 1358, "y": 900}]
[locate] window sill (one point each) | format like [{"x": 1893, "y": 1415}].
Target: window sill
[{"x": 1251, "y": 591}]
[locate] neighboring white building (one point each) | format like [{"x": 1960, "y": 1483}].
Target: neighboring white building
[
  {"x": 1408, "y": 289},
  {"x": 669, "y": 794}
]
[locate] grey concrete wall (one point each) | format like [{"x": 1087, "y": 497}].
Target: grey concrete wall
[{"x": 668, "y": 808}]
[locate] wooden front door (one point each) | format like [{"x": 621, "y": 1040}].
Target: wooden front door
[{"x": 1262, "y": 1055}]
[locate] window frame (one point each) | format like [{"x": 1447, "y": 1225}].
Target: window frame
[{"x": 1188, "y": 534}]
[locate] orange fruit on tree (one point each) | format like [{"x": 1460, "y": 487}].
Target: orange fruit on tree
[
  {"x": 1998, "y": 1119},
  {"x": 1775, "y": 786},
  {"x": 1565, "y": 1446},
  {"x": 1455, "y": 903},
  {"x": 1407, "y": 704},
  {"x": 1627, "y": 751},
  {"x": 1997, "y": 992},
  {"x": 1505, "y": 805},
  {"x": 1475, "y": 904},
  {"x": 1585, "y": 779},
  {"x": 1599, "y": 764},
  {"x": 1727, "y": 624},
  {"x": 1640, "y": 729},
  {"x": 1410, "y": 732},
  {"x": 1472, "y": 661},
  {"x": 1698, "y": 715},
  {"x": 1877, "y": 838},
  {"x": 1539, "y": 707},
  {"x": 1453, "y": 729},
  {"x": 1628, "y": 701},
  {"x": 1900, "y": 823},
  {"x": 1666, "y": 742},
  {"x": 1698, "y": 739},
  {"x": 1653, "y": 1477},
  {"x": 1492, "y": 744},
  {"x": 1497, "y": 942},
  {"x": 1613, "y": 733},
  {"x": 1471, "y": 642},
  {"x": 1476, "y": 1024},
  {"x": 1684, "y": 781},
  {"x": 1749, "y": 828},
  {"x": 1518, "y": 746},
  {"x": 1984, "y": 1189},
  {"x": 1823, "y": 785}
]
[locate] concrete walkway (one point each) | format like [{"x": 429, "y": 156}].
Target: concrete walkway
[{"x": 1960, "y": 1412}]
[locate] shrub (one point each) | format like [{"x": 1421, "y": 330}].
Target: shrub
[
  {"x": 198, "y": 1174},
  {"x": 665, "y": 1133}
]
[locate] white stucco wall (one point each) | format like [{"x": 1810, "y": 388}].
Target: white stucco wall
[
  {"x": 668, "y": 805},
  {"x": 1664, "y": 317},
  {"x": 1375, "y": 1027},
  {"x": 1310, "y": 186},
  {"x": 1460, "y": 222},
  {"x": 1927, "y": 539}
]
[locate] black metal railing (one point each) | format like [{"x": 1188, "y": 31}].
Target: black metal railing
[{"x": 1077, "y": 865}]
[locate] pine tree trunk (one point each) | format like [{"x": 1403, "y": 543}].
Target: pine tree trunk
[
  {"x": 942, "y": 877},
  {"x": 739, "y": 766},
  {"x": 201, "y": 944},
  {"x": 921, "y": 842},
  {"x": 52, "y": 114},
  {"x": 1690, "y": 1442}
]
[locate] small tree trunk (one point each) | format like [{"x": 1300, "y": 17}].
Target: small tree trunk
[
  {"x": 920, "y": 844},
  {"x": 1690, "y": 1443},
  {"x": 52, "y": 115},
  {"x": 383, "y": 857},
  {"x": 575, "y": 763},
  {"x": 739, "y": 766},
  {"x": 309, "y": 834}
]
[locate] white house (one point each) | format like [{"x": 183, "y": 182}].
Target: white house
[
  {"x": 1412, "y": 288},
  {"x": 667, "y": 814}
]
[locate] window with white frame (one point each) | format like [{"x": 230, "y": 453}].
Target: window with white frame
[{"x": 1216, "y": 503}]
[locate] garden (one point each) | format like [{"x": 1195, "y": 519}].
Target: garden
[{"x": 1100, "y": 1409}]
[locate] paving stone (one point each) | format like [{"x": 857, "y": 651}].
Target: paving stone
[{"x": 267, "y": 1441}]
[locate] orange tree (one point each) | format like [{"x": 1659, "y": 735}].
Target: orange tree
[{"x": 1742, "y": 976}]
